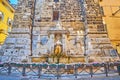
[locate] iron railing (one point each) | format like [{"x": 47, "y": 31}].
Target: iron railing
[{"x": 60, "y": 70}]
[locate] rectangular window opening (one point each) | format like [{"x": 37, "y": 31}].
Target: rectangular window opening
[{"x": 55, "y": 15}]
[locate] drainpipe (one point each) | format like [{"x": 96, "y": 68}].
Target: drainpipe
[{"x": 31, "y": 37}]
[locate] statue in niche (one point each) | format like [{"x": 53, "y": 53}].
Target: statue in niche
[{"x": 58, "y": 47}]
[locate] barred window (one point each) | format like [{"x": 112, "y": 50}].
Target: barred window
[
  {"x": 1, "y": 16},
  {"x": 9, "y": 22}
]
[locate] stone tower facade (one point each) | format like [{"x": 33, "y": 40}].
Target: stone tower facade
[
  {"x": 97, "y": 41},
  {"x": 56, "y": 20},
  {"x": 17, "y": 45},
  {"x": 41, "y": 25}
]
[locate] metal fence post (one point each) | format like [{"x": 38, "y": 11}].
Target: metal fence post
[
  {"x": 58, "y": 75},
  {"x": 118, "y": 68},
  {"x": 39, "y": 71},
  {"x": 24, "y": 70},
  {"x": 9, "y": 68},
  {"x": 106, "y": 69},
  {"x": 75, "y": 70},
  {"x": 91, "y": 70}
]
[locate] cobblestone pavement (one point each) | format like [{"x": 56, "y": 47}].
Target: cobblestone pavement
[{"x": 26, "y": 78}]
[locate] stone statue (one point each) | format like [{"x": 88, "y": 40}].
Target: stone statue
[{"x": 58, "y": 48}]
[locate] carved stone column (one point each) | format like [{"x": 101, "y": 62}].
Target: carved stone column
[
  {"x": 64, "y": 42},
  {"x": 52, "y": 43}
]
